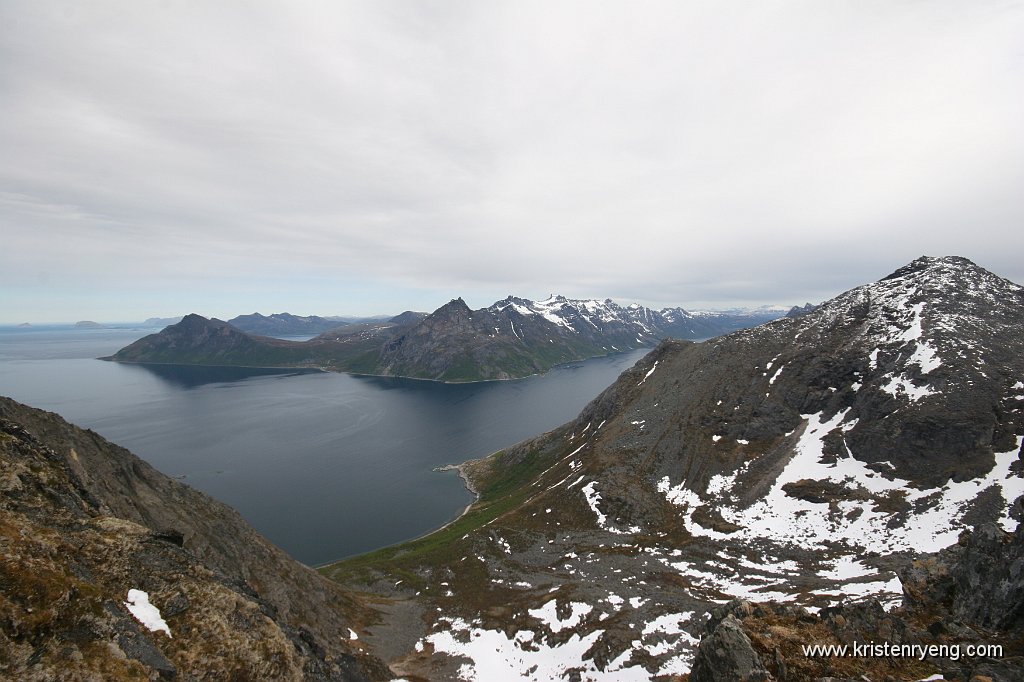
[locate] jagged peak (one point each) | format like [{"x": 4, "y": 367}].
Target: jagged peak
[
  {"x": 933, "y": 263},
  {"x": 196, "y": 321},
  {"x": 456, "y": 305}
]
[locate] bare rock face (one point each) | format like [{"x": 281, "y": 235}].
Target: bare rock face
[
  {"x": 726, "y": 655},
  {"x": 978, "y": 581},
  {"x": 83, "y": 522}
]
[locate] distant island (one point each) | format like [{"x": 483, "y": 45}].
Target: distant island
[
  {"x": 88, "y": 324},
  {"x": 161, "y": 321},
  {"x": 512, "y": 338}
]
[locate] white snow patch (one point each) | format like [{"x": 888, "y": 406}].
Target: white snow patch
[
  {"x": 679, "y": 495},
  {"x": 593, "y": 499},
  {"x": 496, "y": 656},
  {"x": 897, "y": 386},
  {"x": 650, "y": 372},
  {"x": 144, "y": 612},
  {"x": 720, "y": 483},
  {"x": 548, "y": 615},
  {"x": 925, "y": 357},
  {"x": 668, "y": 624},
  {"x": 779, "y": 518},
  {"x": 846, "y": 567}
]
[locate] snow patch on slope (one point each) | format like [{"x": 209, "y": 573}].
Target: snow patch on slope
[{"x": 147, "y": 614}]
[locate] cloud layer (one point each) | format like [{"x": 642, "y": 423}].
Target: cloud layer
[{"x": 370, "y": 156}]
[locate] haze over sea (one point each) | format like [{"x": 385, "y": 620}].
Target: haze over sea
[{"x": 325, "y": 465}]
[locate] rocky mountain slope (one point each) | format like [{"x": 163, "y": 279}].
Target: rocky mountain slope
[
  {"x": 808, "y": 462},
  {"x": 961, "y": 615},
  {"x": 510, "y": 339},
  {"x": 113, "y": 571}
]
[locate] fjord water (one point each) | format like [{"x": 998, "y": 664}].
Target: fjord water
[{"x": 325, "y": 465}]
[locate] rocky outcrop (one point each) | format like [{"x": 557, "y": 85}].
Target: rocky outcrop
[
  {"x": 800, "y": 310},
  {"x": 83, "y": 522},
  {"x": 725, "y": 654},
  {"x": 979, "y": 581}
]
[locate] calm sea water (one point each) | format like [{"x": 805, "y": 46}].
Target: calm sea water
[{"x": 325, "y": 465}]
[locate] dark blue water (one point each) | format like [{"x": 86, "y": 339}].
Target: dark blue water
[{"x": 325, "y": 465}]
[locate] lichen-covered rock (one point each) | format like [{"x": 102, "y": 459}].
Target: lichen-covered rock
[{"x": 726, "y": 655}]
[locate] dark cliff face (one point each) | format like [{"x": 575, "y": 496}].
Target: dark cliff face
[
  {"x": 804, "y": 461},
  {"x": 84, "y": 521}
]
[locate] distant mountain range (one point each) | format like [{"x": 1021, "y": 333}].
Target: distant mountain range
[
  {"x": 286, "y": 324},
  {"x": 512, "y": 338}
]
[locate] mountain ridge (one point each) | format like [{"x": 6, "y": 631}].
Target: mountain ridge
[{"x": 806, "y": 461}]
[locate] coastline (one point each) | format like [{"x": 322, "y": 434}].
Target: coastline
[
  {"x": 468, "y": 485},
  {"x": 331, "y": 370},
  {"x": 465, "y": 482}
]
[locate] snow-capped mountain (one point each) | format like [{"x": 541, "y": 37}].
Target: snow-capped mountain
[
  {"x": 590, "y": 316},
  {"x": 516, "y": 337},
  {"x": 804, "y": 461}
]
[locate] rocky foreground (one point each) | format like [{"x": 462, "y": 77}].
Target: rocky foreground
[{"x": 112, "y": 571}]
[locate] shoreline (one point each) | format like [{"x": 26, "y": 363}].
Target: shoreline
[
  {"x": 465, "y": 482},
  {"x": 462, "y": 474},
  {"x": 325, "y": 370}
]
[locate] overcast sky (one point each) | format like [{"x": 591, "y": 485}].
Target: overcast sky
[{"x": 367, "y": 157}]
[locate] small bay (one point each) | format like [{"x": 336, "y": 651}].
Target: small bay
[{"x": 325, "y": 465}]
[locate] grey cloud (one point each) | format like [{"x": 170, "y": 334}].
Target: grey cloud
[{"x": 675, "y": 153}]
